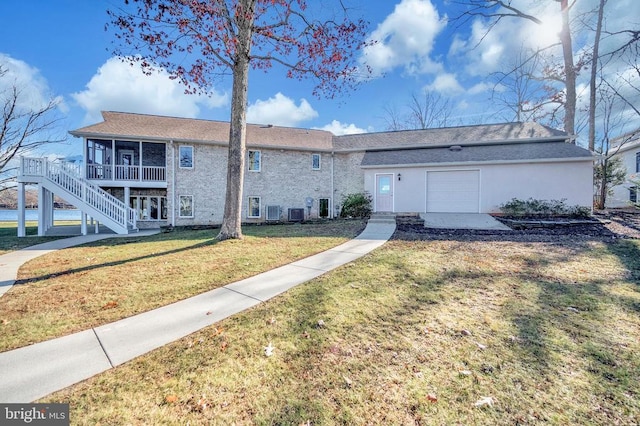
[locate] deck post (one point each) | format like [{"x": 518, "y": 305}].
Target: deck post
[
  {"x": 22, "y": 232},
  {"x": 41, "y": 210}
]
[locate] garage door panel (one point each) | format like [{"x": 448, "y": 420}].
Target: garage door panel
[{"x": 455, "y": 191}]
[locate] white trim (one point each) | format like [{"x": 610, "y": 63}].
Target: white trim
[
  {"x": 249, "y": 216},
  {"x": 259, "y": 169},
  {"x": 192, "y": 206},
  {"x": 193, "y": 157}
]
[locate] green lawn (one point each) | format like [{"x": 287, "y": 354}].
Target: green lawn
[{"x": 417, "y": 332}]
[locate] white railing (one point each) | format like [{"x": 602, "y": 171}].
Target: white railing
[
  {"x": 121, "y": 172},
  {"x": 70, "y": 180}
]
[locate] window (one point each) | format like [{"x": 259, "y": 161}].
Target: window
[
  {"x": 633, "y": 194},
  {"x": 186, "y": 206},
  {"x": 637, "y": 162},
  {"x": 149, "y": 207},
  {"x": 254, "y": 161},
  {"x": 254, "y": 207},
  {"x": 315, "y": 161},
  {"x": 323, "y": 206},
  {"x": 186, "y": 157}
]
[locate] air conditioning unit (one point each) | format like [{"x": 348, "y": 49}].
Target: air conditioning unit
[
  {"x": 273, "y": 213},
  {"x": 296, "y": 215}
]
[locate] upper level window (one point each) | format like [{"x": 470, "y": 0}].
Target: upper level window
[
  {"x": 186, "y": 157},
  {"x": 637, "y": 162},
  {"x": 315, "y": 161},
  {"x": 254, "y": 161}
]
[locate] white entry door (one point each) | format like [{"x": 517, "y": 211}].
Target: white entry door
[
  {"x": 455, "y": 191},
  {"x": 384, "y": 192}
]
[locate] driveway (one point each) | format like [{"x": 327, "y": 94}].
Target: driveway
[{"x": 462, "y": 221}]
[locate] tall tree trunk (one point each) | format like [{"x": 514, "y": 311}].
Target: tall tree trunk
[
  {"x": 592, "y": 82},
  {"x": 232, "y": 220},
  {"x": 569, "y": 69}
]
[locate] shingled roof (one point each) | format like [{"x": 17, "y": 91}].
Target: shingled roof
[
  {"x": 122, "y": 125},
  {"x": 477, "y": 154},
  {"x": 447, "y": 136}
]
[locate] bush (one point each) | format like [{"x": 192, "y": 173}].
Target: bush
[
  {"x": 532, "y": 207},
  {"x": 356, "y": 205}
]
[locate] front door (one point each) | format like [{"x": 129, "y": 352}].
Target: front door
[{"x": 384, "y": 193}]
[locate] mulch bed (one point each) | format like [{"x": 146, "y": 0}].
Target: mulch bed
[{"x": 608, "y": 225}]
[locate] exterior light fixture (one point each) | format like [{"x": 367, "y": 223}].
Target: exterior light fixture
[{"x": 399, "y": 177}]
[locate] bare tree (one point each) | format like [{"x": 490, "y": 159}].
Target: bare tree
[
  {"x": 519, "y": 88},
  {"x": 422, "y": 112},
  {"x": 23, "y": 127},
  {"x": 496, "y": 10},
  {"x": 609, "y": 170},
  {"x": 197, "y": 41}
]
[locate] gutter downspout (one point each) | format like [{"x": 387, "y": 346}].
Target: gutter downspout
[
  {"x": 173, "y": 184},
  {"x": 332, "y": 206}
]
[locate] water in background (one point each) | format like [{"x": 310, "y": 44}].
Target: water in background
[{"x": 12, "y": 215}]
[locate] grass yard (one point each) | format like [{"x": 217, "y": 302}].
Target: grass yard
[
  {"x": 417, "y": 332},
  {"x": 10, "y": 242},
  {"x": 82, "y": 287}
]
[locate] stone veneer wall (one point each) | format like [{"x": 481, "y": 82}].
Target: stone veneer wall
[
  {"x": 286, "y": 179},
  {"x": 349, "y": 177}
]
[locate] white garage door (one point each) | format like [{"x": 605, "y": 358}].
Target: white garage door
[{"x": 455, "y": 191}]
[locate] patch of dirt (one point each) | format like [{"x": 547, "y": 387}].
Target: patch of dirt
[{"x": 608, "y": 225}]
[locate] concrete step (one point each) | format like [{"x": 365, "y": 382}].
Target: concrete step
[{"x": 382, "y": 218}]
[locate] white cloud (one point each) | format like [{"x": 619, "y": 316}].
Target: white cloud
[
  {"x": 118, "y": 86},
  {"x": 478, "y": 88},
  {"x": 446, "y": 84},
  {"x": 338, "y": 128},
  {"x": 405, "y": 39},
  {"x": 34, "y": 90},
  {"x": 280, "y": 111}
]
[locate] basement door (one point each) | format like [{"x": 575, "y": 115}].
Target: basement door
[
  {"x": 454, "y": 191},
  {"x": 384, "y": 193}
]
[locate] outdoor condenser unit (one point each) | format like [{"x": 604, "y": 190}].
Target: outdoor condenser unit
[{"x": 296, "y": 215}]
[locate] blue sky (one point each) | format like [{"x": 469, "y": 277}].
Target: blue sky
[{"x": 59, "y": 49}]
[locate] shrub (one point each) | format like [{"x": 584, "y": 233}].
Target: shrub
[
  {"x": 533, "y": 207},
  {"x": 356, "y": 205}
]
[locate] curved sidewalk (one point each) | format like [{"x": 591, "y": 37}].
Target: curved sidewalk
[{"x": 32, "y": 372}]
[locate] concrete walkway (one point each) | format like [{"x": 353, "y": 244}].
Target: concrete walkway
[{"x": 32, "y": 372}]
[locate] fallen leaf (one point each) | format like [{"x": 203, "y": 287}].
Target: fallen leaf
[
  {"x": 223, "y": 346},
  {"x": 431, "y": 397},
  {"x": 481, "y": 346},
  {"x": 306, "y": 335},
  {"x": 484, "y": 400},
  {"x": 465, "y": 372},
  {"x": 572, "y": 309},
  {"x": 271, "y": 321},
  {"x": 465, "y": 333},
  {"x": 320, "y": 324},
  {"x": 110, "y": 305},
  {"x": 5, "y": 321},
  {"x": 170, "y": 399},
  {"x": 268, "y": 350}
]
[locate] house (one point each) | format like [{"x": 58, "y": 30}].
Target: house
[
  {"x": 146, "y": 171},
  {"x": 626, "y": 147}
]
